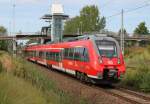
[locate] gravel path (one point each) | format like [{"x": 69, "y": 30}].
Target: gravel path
[{"x": 78, "y": 89}]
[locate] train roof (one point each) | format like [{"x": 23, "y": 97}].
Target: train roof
[
  {"x": 79, "y": 38},
  {"x": 89, "y": 37}
]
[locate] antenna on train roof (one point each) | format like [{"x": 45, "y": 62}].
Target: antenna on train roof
[
  {"x": 101, "y": 35},
  {"x": 83, "y": 37}
]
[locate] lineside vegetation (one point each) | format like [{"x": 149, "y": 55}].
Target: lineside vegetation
[
  {"x": 22, "y": 83},
  {"x": 138, "y": 69}
]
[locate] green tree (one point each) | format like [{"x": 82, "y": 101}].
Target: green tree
[
  {"x": 3, "y": 31},
  {"x": 3, "y": 43},
  {"x": 88, "y": 21},
  {"x": 90, "y": 18},
  {"x": 141, "y": 29},
  {"x": 72, "y": 26}
]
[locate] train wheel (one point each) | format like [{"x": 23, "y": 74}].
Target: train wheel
[
  {"x": 82, "y": 77},
  {"x": 87, "y": 79},
  {"x": 49, "y": 67},
  {"x": 78, "y": 75},
  {"x": 36, "y": 62}
]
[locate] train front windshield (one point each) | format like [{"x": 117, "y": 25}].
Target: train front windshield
[{"x": 107, "y": 48}]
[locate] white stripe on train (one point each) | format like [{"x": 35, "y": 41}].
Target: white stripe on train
[
  {"x": 43, "y": 63},
  {"x": 69, "y": 71}
]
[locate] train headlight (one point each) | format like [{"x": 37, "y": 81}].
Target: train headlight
[
  {"x": 100, "y": 60},
  {"x": 100, "y": 75}
]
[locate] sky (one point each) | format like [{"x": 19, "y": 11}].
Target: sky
[{"x": 29, "y": 12}]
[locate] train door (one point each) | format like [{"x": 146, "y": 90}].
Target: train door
[
  {"x": 68, "y": 60},
  {"x": 44, "y": 57},
  {"x": 36, "y": 55},
  {"x": 81, "y": 59},
  {"x": 60, "y": 59}
]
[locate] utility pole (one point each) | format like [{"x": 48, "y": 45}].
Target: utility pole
[
  {"x": 9, "y": 28},
  {"x": 122, "y": 31},
  {"x": 14, "y": 21},
  {"x": 14, "y": 40}
]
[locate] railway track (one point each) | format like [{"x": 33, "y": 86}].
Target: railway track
[
  {"x": 141, "y": 95},
  {"x": 124, "y": 94},
  {"x": 130, "y": 96}
]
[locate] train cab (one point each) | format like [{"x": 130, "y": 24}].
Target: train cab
[{"x": 110, "y": 64}]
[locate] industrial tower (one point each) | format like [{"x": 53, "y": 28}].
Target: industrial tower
[{"x": 56, "y": 19}]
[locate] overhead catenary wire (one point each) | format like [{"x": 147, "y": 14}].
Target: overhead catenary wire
[
  {"x": 107, "y": 3},
  {"x": 147, "y": 3},
  {"x": 131, "y": 10}
]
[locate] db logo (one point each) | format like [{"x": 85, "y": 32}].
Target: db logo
[
  {"x": 70, "y": 63},
  {"x": 110, "y": 62}
]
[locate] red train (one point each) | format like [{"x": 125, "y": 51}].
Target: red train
[{"x": 89, "y": 58}]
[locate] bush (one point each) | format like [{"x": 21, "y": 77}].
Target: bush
[
  {"x": 17, "y": 91},
  {"x": 1, "y": 67},
  {"x": 30, "y": 73},
  {"x": 23, "y": 73},
  {"x": 139, "y": 76}
]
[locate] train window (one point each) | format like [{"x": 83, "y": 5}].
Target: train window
[
  {"x": 48, "y": 56},
  {"x": 60, "y": 56},
  {"x": 77, "y": 54},
  {"x": 81, "y": 51},
  {"x": 71, "y": 54},
  {"x": 28, "y": 53},
  {"x": 37, "y": 54},
  {"x": 44, "y": 55},
  {"x": 54, "y": 59},
  {"x": 41, "y": 54},
  {"x": 57, "y": 57},
  {"x": 34, "y": 53},
  {"x": 53, "y": 56},
  {"x": 81, "y": 54},
  {"x": 31, "y": 53},
  {"x": 107, "y": 48},
  {"x": 86, "y": 55},
  {"x": 66, "y": 52},
  {"x": 69, "y": 50}
]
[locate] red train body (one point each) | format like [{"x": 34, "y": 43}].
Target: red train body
[{"x": 92, "y": 57}]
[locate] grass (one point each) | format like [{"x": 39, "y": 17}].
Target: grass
[
  {"x": 138, "y": 71},
  {"x": 17, "y": 91},
  {"x": 23, "y": 83}
]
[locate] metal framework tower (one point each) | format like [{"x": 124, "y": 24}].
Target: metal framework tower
[
  {"x": 56, "y": 19},
  {"x": 14, "y": 40}
]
